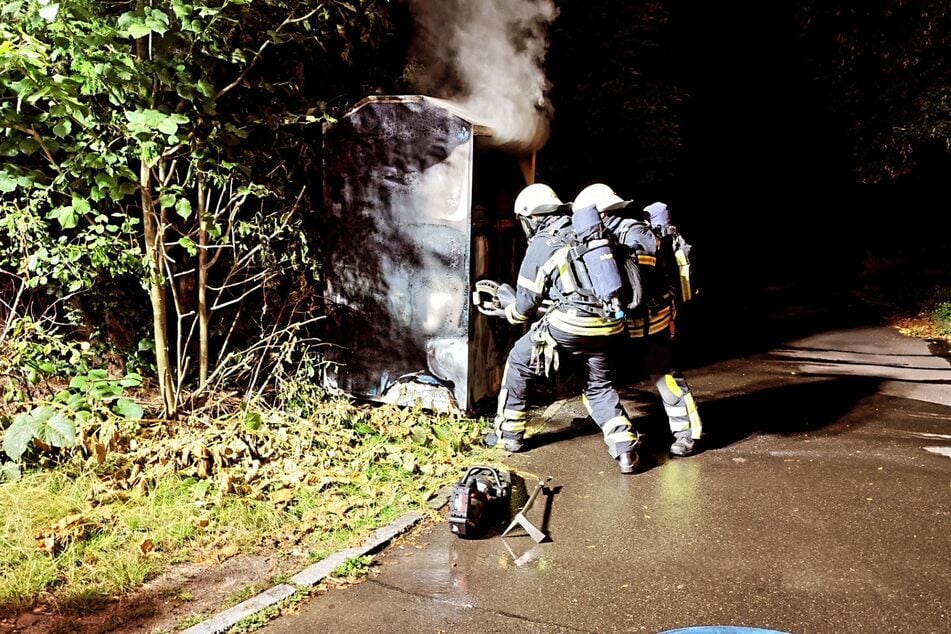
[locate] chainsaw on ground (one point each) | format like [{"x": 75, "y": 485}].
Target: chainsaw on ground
[{"x": 479, "y": 502}]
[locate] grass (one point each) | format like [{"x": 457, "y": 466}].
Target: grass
[
  {"x": 113, "y": 548},
  {"x": 81, "y": 533},
  {"x": 941, "y": 316},
  {"x": 910, "y": 292},
  {"x": 190, "y": 621},
  {"x": 931, "y": 321},
  {"x": 260, "y": 619},
  {"x": 354, "y": 567}
]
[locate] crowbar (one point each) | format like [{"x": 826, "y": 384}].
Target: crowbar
[{"x": 520, "y": 520}]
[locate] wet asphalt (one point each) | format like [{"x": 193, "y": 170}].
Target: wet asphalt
[{"x": 821, "y": 503}]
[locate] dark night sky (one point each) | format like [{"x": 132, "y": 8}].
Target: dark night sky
[
  {"x": 762, "y": 171},
  {"x": 715, "y": 109}
]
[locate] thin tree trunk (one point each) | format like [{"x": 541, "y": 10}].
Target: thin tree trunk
[
  {"x": 153, "y": 253},
  {"x": 154, "y": 242},
  {"x": 203, "y": 266}
]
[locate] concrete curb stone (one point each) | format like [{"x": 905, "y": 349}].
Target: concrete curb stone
[
  {"x": 312, "y": 575},
  {"x": 223, "y": 620}
]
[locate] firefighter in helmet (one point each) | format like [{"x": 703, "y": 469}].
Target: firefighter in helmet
[
  {"x": 651, "y": 327},
  {"x": 564, "y": 328}
]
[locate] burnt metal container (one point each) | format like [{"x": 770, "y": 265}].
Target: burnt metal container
[{"x": 417, "y": 208}]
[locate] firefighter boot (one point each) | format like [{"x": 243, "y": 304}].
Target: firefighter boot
[
  {"x": 683, "y": 444},
  {"x": 511, "y": 440},
  {"x": 513, "y": 445},
  {"x": 628, "y": 461}
]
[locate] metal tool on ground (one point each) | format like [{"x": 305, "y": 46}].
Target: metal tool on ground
[
  {"x": 479, "y": 501},
  {"x": 521, "y": 520}
]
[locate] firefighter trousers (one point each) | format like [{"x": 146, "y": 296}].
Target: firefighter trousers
[
  {"x": 657, "y": 352},
  {"x": 601, "y": 399}
]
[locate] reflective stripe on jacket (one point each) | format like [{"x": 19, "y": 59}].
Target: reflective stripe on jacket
[{"x": 544, "y": 268}]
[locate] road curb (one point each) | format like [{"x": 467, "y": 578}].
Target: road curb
[
  {"x": 223, "y": 620},
  {"x": 310, "y": 576}
]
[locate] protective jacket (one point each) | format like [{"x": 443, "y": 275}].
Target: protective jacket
[
  {"x": 656, "y": 312},
  {"x": 544, "y": 275},
  {"x": 565, "y": 327},
  {"x": 651, "y": 327}
]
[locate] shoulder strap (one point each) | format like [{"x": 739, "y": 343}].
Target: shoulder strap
[{"x": 557, "y": 228}]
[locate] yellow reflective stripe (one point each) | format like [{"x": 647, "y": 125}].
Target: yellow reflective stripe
[
  {"x": 559, "y": 261},
  {"x": 587, "y": 405},
  {"x": 567, "y": 280},
  {"x": 531, "y": 285},
  {"x": 555, "y": 262},
  {"x": 584, "y": 320},
  {"x": 661, "y": 316},
  {"x": 680, "y": 424},
  {"x": 686, "y": 292},
  {"x": 618, "y": 437},
  {"x": 503, "y": 392},
  {"x": 570, "y": 325},
  {"x": 513, "y": 316},
  {"x": 636, "y": 326},
  {"x": 511, "y": 414},
  {"x": 657, "y": 327},
  {"x": 616, "y": 424},
  {"x": 513, "y": 426},
  {"x": 647, "y": 260},
  {"x": 696, "y": 427},
  {"x": 676, "y": 411},
  {"x": 672, "y": 385}
]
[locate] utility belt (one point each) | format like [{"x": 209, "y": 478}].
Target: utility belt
[
  {"x": 570, "y": 320},
  {"x": 655, "y": 317},
  {"x": 582, "y": 322}
]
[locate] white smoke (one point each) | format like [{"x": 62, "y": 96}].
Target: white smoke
[{"x": 488, "y": 56}]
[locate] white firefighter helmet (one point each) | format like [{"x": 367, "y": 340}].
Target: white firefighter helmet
[
  {"x": 537, "y": 199},
  {"x": 658, "y": 214},
  {"x": 601, "y": 196}
]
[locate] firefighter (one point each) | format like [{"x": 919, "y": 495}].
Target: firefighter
[
  {"x": 651, "y": 327},
  {"x": 564, "y": 328},
  {"x": 675, "y": 250}
]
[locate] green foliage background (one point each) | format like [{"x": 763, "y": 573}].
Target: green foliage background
[{"x": 228, "y": 93}]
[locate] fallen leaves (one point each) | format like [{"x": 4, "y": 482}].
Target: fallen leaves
[
  {"x": 332, "y": 471},
  {"x": 68, "y": 529}
]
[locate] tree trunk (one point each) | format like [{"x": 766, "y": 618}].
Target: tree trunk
[
  {"x": 153, "y": 254},
  {"x": 203, "y": 266},
  {"x": 154, "y": 251}
]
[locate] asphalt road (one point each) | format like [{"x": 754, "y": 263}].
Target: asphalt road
[{"x": 821, "y": 503}]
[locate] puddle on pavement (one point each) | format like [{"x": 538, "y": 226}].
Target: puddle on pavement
[
  {"x": 446, "y": 573},
  {"x": 535, "y": 556}
]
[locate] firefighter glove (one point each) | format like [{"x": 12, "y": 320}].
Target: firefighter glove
[
  {"x": 505, "y": 294},
  {"x": 491, "y": 311}
]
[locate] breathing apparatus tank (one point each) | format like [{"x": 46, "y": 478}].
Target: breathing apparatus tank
[{"x": 600, "y": 272}]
